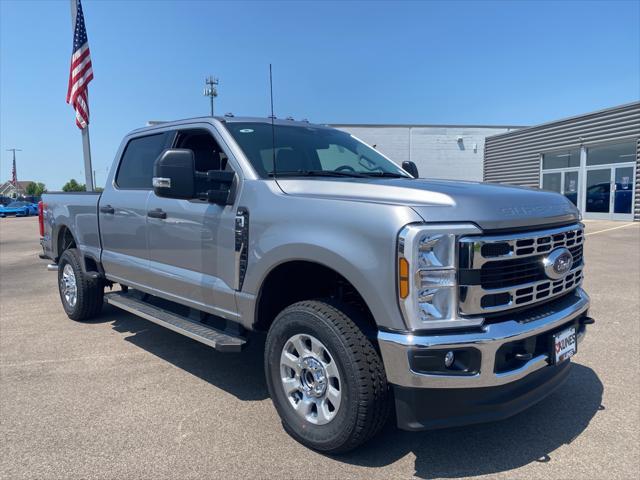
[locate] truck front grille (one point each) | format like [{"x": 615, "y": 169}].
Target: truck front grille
[
  {"x": 500, "y": 272},
  {"x": 508, "y": 273}
]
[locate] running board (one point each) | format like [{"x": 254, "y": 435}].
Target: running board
[{"x": 198, "y": 331}]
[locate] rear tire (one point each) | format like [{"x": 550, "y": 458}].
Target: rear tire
[
  {"x": 332, "y": 395},
  {"x": 81, "y": 295}
]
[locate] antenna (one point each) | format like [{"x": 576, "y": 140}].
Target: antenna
[{"x": 273, "y": 128}]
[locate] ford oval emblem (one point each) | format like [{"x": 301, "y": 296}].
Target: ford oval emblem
[{"x": 558, "y": 263}]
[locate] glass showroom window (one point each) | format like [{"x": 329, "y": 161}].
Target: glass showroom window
[
  {"x": 562, "y": 159},
  {"x": 560, "y": 173},
  {"x": 611, "y": 153},
  {"x": 610, "y": 180}
]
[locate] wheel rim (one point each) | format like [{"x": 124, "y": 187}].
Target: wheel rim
[
  {"x": 68, "y": 286},
  {"x": 310, "y": 379}
]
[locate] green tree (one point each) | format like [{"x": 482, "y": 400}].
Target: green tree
[
  {"x": 73, "y": 186},
  {"x": 36, "y": 189}
]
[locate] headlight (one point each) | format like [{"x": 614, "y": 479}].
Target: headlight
[{"x": 427, "y": 279}]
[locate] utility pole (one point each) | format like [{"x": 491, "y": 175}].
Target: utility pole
[{"x": 211, "y": 89}]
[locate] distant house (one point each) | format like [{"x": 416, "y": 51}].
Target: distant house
[{"x": 8, "y": 189}]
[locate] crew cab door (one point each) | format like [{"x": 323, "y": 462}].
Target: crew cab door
[
  {"x": 123, "y": 209},
  {"x": 191, "y": 242}
]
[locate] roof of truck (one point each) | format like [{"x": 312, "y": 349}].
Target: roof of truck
[{"x": 228, "y": 119}]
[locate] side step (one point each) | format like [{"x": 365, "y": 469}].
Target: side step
[{"x": 198, "y": 331}]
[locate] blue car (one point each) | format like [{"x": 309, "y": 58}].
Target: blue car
[{"x": 19, "y": 209}]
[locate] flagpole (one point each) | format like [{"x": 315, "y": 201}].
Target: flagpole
[
  {"x": 86, "y": 152},
  {"x": 86, "y": 144}
]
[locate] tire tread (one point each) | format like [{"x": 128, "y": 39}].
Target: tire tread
[
  {"x": 373, "y": 390},
  {"x": 90, "y": 290}
]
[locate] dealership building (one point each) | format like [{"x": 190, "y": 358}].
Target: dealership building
[
  {"x": 592, "y": 159},
  {"x": 439, "y": 151}
]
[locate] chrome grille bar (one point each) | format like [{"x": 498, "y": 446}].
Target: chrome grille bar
[
  {"x": 493, "y": 250},
  {"x": 476, "y": 251},
  {"x": 517, "y": 296}
]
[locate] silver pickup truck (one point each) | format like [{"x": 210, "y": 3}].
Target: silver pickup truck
[{"x": 454, "y": 302}]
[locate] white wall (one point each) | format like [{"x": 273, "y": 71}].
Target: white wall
[{"x": 434, "y": 149}]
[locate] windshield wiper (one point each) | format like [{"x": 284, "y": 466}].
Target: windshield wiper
[
  {"x": 386, "y": 174},
  {"x": 317, "y": 173}
]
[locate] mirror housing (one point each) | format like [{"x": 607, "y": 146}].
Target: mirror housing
[
  {"x": 219, "y": 197},
  {"x": 223, "y": 180},
  {"x": 410, "y": 167},
  {"x": 174, "y": 174}
]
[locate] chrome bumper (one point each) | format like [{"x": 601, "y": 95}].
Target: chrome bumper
[{"x": 395, "y": 348}]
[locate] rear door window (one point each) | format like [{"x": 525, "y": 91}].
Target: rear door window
[{"x": 136, "y": 166}]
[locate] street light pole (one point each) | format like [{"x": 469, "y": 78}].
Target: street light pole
[{"x": 211, "y": 89}]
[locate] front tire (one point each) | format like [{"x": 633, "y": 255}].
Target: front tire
[
  {"x": 325, "y": 377},
  {"x": 80, "y": 294}
]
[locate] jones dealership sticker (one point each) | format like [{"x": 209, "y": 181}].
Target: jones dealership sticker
[{"x": 565, "y": 344}]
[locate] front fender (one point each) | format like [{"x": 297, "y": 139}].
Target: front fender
[{"x": 355, "y": 239}]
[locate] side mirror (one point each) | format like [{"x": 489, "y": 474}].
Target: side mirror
[
  {"x": 223, "y": 180},
  {"x": 410, "y": 167},
  {"x": 174, "y": 174}
]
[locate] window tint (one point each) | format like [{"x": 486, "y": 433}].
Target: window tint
[
  {"x": 207, "y": 155},
  {"x": 306, "y": 148},
  {"x": 564, "y": 159},
  {"x": 136, "y": 167}
]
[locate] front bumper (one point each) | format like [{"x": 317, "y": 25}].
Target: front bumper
[
  {"x": 398, "y": 350},
  {"x": 432, "y": 408}
]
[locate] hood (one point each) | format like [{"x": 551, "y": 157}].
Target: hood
[{"x": 488, "y": 205}]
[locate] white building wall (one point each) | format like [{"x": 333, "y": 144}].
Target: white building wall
[{"x": 434, "y": 149}]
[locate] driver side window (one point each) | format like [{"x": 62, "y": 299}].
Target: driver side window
[{"x": 207, "y": 155}]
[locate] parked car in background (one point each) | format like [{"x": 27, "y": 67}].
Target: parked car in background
[
  {"x": 19, "y": 209},
  {"x": 599, "y": 198}
]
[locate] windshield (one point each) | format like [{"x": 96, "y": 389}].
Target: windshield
[
  {"x": 309, "y": 151},
  {"x": 17, "y": 204}
]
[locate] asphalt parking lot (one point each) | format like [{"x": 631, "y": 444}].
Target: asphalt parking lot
[{"x": 120, "y": 397}]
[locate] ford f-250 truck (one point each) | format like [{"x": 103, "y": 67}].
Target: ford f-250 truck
[{"x": 455, "y": 302}]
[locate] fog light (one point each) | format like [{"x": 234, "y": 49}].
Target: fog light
[{"x": 449, "y": 358}]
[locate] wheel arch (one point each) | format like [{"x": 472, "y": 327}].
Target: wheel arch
[
  {"x": 64, "y": 240},
  {"x": 294, "y": 280}
]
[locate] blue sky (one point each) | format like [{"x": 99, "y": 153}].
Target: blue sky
[{"x": 506, "y": 63}]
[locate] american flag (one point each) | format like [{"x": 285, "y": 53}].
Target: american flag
[{"x": 81, "y": 72}]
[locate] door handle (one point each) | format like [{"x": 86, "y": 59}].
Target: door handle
[
  {"x": 157, "y": 213},
  {"x": 107, "y": 209}
]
